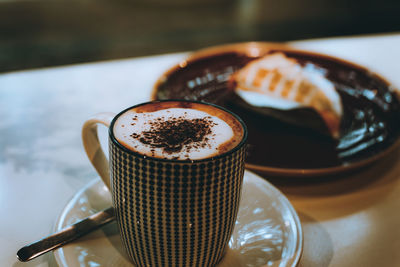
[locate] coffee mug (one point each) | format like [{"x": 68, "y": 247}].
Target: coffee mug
[{"x": 173, "y": 207}]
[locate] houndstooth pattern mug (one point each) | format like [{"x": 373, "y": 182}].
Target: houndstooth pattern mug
[{"x": 169, "y": 212}]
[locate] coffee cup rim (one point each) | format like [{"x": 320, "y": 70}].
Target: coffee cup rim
[{"x": 136, "y": 154}]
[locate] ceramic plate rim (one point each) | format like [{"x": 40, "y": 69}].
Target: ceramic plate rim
[{"x": 294, "y": 261}]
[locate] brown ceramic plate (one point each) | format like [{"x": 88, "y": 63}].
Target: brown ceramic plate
[{"x": 370, "y": 126}]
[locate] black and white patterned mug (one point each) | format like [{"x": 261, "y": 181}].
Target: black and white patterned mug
[{"x": 175, "y": 179}]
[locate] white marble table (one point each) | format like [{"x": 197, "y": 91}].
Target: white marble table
[{"x": 348, "y": 220}]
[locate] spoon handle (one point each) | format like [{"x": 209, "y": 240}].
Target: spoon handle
[{"x": 66, "y": 235}]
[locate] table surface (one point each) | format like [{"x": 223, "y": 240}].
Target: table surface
[{"x": 348, "y": 220}]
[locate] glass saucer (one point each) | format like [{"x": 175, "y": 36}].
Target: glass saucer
[{"x": 267, "y": 231}]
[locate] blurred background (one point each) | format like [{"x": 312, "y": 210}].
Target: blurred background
[{"x": 41, "y": 33}]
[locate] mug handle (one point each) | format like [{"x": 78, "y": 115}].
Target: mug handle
[{"x": 92, "y": 145}]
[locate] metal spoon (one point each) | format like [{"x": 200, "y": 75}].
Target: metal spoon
[{"x": 66, "y": 235}]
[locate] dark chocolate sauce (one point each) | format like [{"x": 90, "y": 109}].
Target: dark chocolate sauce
[{"x": 370, "y": 124}]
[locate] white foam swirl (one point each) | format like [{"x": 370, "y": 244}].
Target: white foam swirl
[{"x": 136, "y": 123}]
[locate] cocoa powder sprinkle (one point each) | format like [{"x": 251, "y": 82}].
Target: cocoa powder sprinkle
[{"x": 174, "y": 134}]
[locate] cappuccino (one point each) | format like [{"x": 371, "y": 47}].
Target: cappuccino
[{"x": 178, "y": 130}]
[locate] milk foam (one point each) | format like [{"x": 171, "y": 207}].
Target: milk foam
[{"x": 136, "y": 123}]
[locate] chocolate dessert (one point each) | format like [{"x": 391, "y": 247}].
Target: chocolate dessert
[{"x": 369, "y": 124}]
